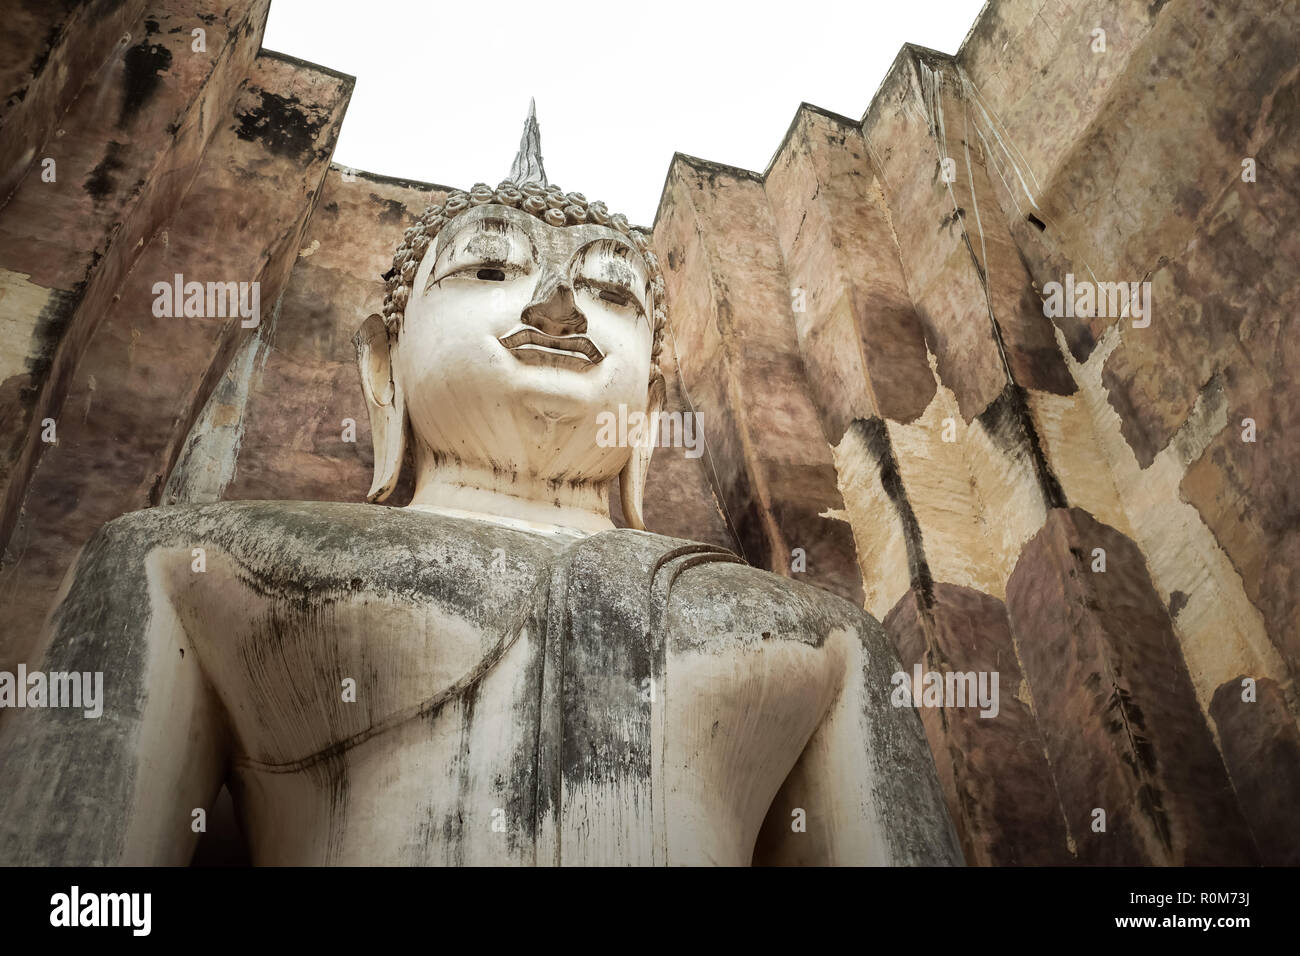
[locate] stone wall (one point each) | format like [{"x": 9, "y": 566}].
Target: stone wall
[
  {"x": 986, "y": 455},
  {"x": 889, "y": 412}
]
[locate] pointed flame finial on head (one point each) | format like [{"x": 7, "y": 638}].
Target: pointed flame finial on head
[{"x": 527, "y": 167}]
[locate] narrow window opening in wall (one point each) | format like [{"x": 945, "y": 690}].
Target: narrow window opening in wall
[{"x": 1037, "y": 223}]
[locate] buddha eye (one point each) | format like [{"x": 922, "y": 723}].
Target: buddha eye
[
  {"x": 616, "y": 294},
  {"x": 470, "y": 272}
]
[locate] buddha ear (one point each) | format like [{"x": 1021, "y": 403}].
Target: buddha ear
[
  {"x": 376, "y": 352},
  {"x": 631, "y": 480}
]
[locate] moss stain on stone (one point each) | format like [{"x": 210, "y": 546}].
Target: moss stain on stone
[
  {"x": 283, "y": 125},
  {"x": 99, "y": 184},
  {"x": 394, "y": 212},
  {"x": 144, "y": 65}
]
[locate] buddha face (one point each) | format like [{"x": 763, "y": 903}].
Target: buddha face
[{"x": 517, "y": 335}]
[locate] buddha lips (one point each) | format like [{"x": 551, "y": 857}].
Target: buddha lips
[{"x": 531, "y": 343}]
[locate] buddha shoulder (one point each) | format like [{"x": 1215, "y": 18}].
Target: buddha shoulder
[
  {"x": 737, "y": 603},
  {"x": 321, "y": 544}
]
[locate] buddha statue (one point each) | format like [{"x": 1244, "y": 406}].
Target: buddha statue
[{"x": 493, "y": 674}]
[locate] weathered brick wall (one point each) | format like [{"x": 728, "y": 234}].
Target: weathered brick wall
[
  {"x": 965, "y": 422},
  {"x": 170, "y": 160}
]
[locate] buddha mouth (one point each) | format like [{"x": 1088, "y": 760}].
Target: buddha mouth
[{"x": 536, "y": 347}]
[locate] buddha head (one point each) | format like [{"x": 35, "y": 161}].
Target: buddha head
[{"x": 515, "y": 316}]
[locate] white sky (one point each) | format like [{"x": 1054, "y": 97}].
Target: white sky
[{"x": 442, "y": 90}]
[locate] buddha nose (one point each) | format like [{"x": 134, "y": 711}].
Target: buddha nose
[{"x": 553, "y": 309}]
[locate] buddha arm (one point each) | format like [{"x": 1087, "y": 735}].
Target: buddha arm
[
  {"x": 120, "y": 787},
  {"x": 865, "y": 783}
]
